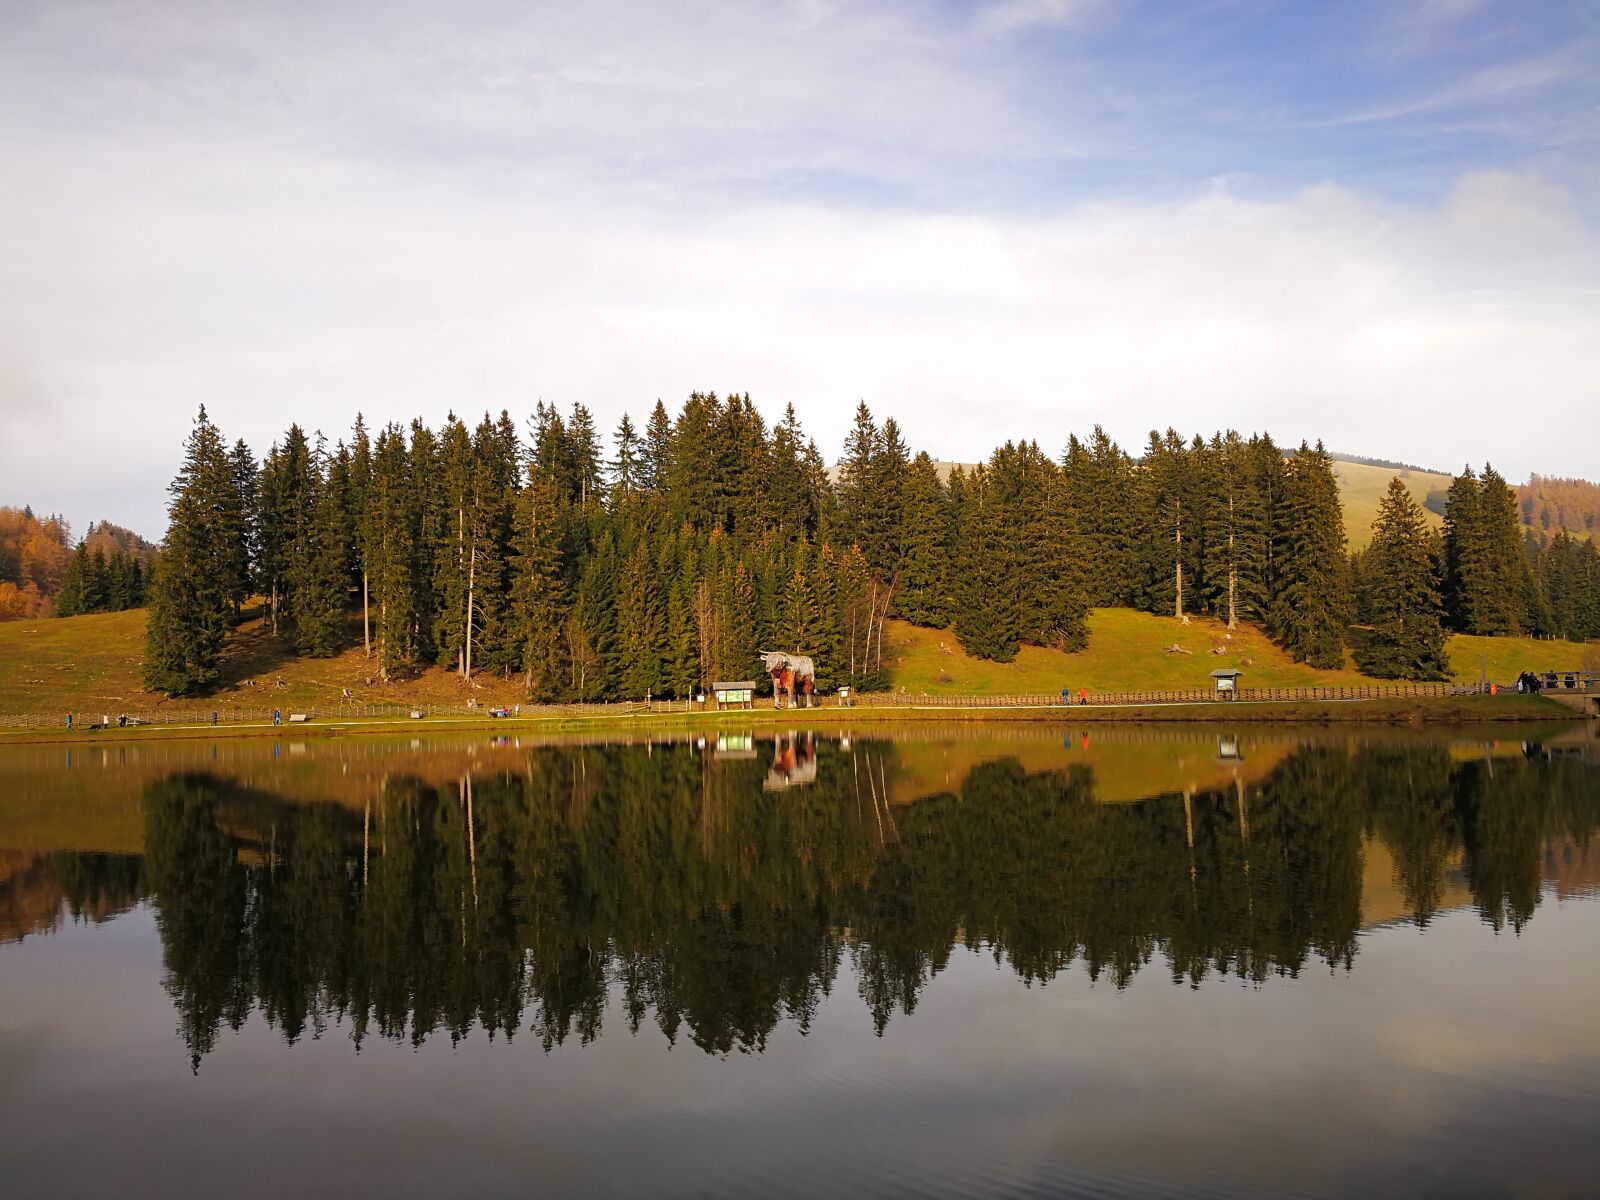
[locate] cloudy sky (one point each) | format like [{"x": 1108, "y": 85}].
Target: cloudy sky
[{"x": 1377, "y": 223}]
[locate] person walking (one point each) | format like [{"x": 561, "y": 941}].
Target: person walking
[
  {"x": 277, "y": 716},
  {"x": 69, "y": 722},
  {"x": 1083, "y": 696}
]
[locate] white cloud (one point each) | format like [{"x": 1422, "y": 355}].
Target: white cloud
[
  {"x": 293, "y": 221},
  {"x": 1009, "y": 16},
  {"x": 1411, "y": 332}
]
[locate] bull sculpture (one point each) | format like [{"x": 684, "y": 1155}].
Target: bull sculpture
[{"x": 794, "y": 674}]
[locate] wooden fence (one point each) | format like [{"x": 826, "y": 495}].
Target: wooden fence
[
  {"x": 1172, "y": 696},
  {"x": 202, "y": 717}
]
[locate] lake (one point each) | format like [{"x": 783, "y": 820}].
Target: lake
[{"x": 957, "y": 960}]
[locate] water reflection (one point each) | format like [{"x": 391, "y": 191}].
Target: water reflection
[{"x": 715, "y": 890}]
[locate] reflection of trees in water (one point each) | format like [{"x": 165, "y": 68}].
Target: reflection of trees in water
[
  {"x": 36, "y": 889},
  {"x": 674, "y": 885}
]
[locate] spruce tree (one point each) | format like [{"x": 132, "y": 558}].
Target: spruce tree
[
  {"x": 1463, "y": 550},
  {"x": 361, "y": 517},
  {"x": 392, "y": 535},
  {"x": 1233, "y": 532},
  {"x": 1401, "y": 597},
  {"x": 189, "y": 605},
  {"x": 857, "y": 499},
  {"x": 242, "y": 524},
  {"x": 656, "y": 463},
  {"x": 97, "y": 583},
  {"x": 925, "y": 583},
  {"x": 641, "y": 625},
  {"x": 72, "y": 598},
  {"x": 1312, "y": 607},
  {"x": 988, "y": 618},
  {"x": 539, "y": 591},
  {"x": 627, "y": 468}
]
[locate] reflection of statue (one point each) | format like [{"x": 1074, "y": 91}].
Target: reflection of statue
[
  {"x": 794, "y": 763},
  {"x": 795, "y": 674}
]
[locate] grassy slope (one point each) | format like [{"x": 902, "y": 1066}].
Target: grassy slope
[
  {"x": 1127, "y": 651},
  {"x": 1361, "y": 487},
  {"x": 91, "y": 665}
]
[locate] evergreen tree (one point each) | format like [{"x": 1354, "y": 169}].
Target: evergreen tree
[
  {"x": 1234, "y": 532},
  {"x": 1105, "y": 521},
  {"x": 539, "y": 591},
  {"x": 242, "y": 522},
  {"x": 627, "y": 469},
  {"x": 392, "y": 534},
  {"x": 656, "y": 464},
  {"x": 641, "y": 626},
  {"x": 988, "y": 617},
  {"x": 189, "y": 603},
  {"x": 1402, "y": 600},
  {"x": 361, "y": 518},
  {"x": 97, "y": 583},
  {"x": 786, "y": 500},
  {"x": 859, "y": 504},
  {"x": 925, "y": 582},
  {"x": 1463, "y": 549},
  {"x": 1312, "y": 606},
  {"x": 73, "y": 598},
  {"x": 322, "y": 575}
]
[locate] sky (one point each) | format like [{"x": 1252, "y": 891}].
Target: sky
[{"x": 1374, "y": 223}]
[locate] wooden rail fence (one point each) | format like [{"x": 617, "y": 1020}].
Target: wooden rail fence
[{"x": 175, "y": 716}]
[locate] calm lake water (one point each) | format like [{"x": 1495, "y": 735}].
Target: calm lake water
[{"x": 961, "y": 960}]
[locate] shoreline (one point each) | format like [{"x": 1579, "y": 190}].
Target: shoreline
[{"x": 1451, "y": 710}]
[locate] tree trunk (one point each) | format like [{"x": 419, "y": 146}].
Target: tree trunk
[
  {"x": 472, "y": 573},
  {"x": 1233, "y": 573},
  {"x": 1178, "y": 533},
  {"x": 366, "y": 623}
]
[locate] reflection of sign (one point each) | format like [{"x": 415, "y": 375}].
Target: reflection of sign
[
  {"x": 1228, "y": 750},
  {"x": 736, "y": 745},
  {"x": 794, "y": 763}
]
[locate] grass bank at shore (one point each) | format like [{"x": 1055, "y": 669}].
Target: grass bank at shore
[
  {"x": 90, "y": 666},
  {"x": 1421, "y": 710}
]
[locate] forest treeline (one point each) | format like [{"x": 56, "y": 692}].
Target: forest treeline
[
  {"x": 659, "y": 878},
  {"x": 1549, "y": 504},
  {"x": 41, "y": 573},
  {"x": 703, "y": 538}
]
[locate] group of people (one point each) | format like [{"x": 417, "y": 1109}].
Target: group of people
[
  {"x": 1529, "y": 682},
  {"x": 105, "y": 721}
]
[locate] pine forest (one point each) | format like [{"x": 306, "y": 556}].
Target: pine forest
[{"x": 658, "y": 558}]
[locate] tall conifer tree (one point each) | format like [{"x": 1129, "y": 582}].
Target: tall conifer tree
[{"x": 1402, "y": 599}]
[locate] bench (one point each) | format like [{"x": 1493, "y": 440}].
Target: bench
[{"x": 298, "y": 718}]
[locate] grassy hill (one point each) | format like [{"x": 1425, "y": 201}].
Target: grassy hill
[
  {"x": 1127, "y": 651},
  {"x": 1362, "y": 486},
  {"x": 91, "y": 665}
]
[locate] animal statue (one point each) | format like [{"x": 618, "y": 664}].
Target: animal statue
[{"x": 794, "y": 674}]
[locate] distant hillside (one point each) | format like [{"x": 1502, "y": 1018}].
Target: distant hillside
[
  {"x": 111, "y": 539},
  {"x": 1362, "y": 485},
  {"x": 34, "y": 552}
]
